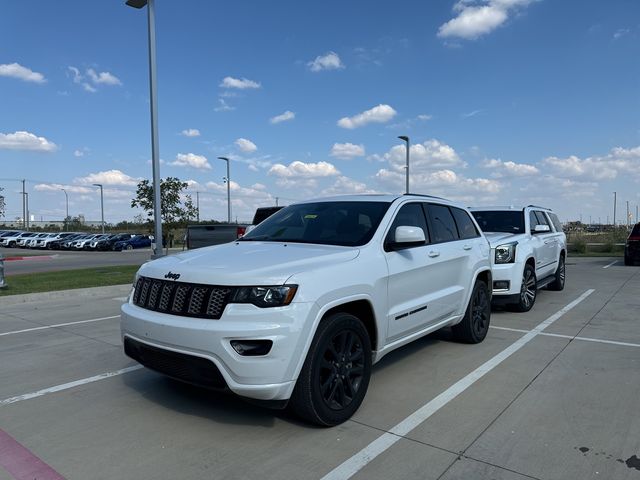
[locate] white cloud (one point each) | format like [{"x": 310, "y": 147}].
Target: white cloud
[
  {"x": 109, "y": 177},
  {"x": 223, "y": 106},
  {"x": 15, "y": 70},
  {"x": 479, "y": 17},
  {"x": 190, "y": 132},
  {"x": 283, "y": 117},
  {"x": 510, "y": 169},
  {"x": 239, "y": 83},
  {"x": 103, "y": 78},
  {"x": 328, "y": 61},
  {"x": 345, "y": 185},
  {"x": 470, "y": 114},
  {"x": 56, "y": 187},
  {"x": 299, "y": 169},
  {"x": 621, "y": 32},
  {"x": 78, "y": 153},
  {"x": 91, "y": 79},
  {"x": 191, "y": 160},
  {"x": 379, "y": 114},
  {"x": 22, "y": 140},
  {"x": 599, "y": 168},
  {"x": 347, "y": 151},
  {"x": 246, "y": 146},
  {"x": 446, "y": 183},
  {"x": 429, "y": 155}
]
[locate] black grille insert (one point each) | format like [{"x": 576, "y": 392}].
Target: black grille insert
[
  {"x": 187, "y": 368},
  {"x": 179, "y": 298}
]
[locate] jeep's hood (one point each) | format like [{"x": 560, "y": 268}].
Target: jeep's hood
[
  {"x": 499, "y": 238},
  {"x": 248, "y": 263}
]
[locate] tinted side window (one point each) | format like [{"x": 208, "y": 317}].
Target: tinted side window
[
  {"x": 556, "y": 222},
  {"x": 542, "y": 219},
  {"x": 444, "y": 227},
  {"x": 466, "y": 228},
  {"x": 409, "y": 215}
]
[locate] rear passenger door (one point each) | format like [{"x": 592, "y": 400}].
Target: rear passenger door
[{"x": 449, "y": 261}]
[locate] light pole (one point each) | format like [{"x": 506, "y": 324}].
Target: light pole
[
  {"x": 155, "y": 155},
  {"x": 67, "y": 198},
  {"x": 406, "y": 139},
  {"x": 26, "y": 196},
  {"x": 615, "y": 203},
  {"x": 101, "y": 203},
  {"x": 228, "y": 190}
]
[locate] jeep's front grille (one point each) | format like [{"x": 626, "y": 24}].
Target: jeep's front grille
[{"x": 179, "y": 298}]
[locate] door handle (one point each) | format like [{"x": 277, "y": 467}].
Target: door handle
[
  {"x": 434, "y": 254},
  {"x": 467, "y": 247}
]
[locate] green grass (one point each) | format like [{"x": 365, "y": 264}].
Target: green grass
[{"x": 68, "y": 279}]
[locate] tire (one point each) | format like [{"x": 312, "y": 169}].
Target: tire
[
  {"x": 475, "y": 324},
  {"x": 129, "y": 247},
  {"x": 12, "y": 244},
  {"x": 336, "y": 373},
  {"x": 560, "y": 275},
  {"x": 528, "y": 290}
]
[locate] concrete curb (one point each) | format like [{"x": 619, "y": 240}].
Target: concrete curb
[{"x": 105, "y": 292}]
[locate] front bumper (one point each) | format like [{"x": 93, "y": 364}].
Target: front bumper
[
  {"x": 507, "y": 279},
  {"x": 268, "y": 377}
]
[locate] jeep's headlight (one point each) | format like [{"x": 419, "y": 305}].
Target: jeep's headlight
[
  {"x": 265, "y": 296},
  {"x": 506, "y": 253}
]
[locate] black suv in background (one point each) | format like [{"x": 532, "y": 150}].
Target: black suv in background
[
  {"x": 108, "y": 243},
  {"x": 632, "y": 247}
]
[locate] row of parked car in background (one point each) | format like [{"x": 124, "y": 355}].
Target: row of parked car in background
[{"x": 73, "y": 241}]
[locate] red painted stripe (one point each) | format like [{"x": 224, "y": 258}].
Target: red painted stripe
[
  {"x": 21, "y": 463},
  {"x": 33, "y": 257}
]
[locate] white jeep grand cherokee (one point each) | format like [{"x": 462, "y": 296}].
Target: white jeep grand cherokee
[
  {"x": 528, "y": 252},
  {"x": 299, "y": 309}
]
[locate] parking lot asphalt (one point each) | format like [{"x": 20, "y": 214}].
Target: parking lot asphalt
[
  {"x": 550, "y": 394},
  {"x": 53, "y": 260}
]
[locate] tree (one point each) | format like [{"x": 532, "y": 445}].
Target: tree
[{"x": 173, "y": 209}]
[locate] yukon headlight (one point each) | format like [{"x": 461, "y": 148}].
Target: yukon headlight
[
  {"x": 506, "y": 253},
  {"x": 265, "y": 296}
]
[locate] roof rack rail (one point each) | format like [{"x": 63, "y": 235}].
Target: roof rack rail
[
  {"x": 423, "y": 195},
  {"x": 538, "y": 206}
]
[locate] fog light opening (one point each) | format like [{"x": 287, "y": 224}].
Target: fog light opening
[
  {"x": 252, "y": 348},
  {"x": 501, "y": 285}
]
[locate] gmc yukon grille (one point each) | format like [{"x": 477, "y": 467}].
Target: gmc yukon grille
[{"x": 179, "y": 298}]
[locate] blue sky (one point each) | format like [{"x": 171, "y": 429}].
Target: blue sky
[{"x": 505, "y": 101}]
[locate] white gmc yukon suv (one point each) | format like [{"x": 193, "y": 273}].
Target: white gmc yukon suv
[
  {"x": 298, "y": 310},
  {"x": 528, "y": 252}
]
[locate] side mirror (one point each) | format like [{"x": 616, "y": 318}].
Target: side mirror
[
  {"x": 406, "y": 236},
  {"x": 541, "y": 229}
]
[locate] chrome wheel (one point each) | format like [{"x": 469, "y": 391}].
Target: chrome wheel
[{"x": 528, "y": 288}]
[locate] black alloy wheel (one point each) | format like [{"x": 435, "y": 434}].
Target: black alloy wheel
[
  {"x": 341, "y": 369},
  {"x": 336, "y": 373},
  {"x": 474, "y": 326}
]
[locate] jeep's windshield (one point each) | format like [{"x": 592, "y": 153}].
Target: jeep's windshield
[
  {"x": 330, "y": 223},
  {"x": 507, "y": 221}
]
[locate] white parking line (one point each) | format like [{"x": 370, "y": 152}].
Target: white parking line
[
  {"x": 66, "y": 386},
  {"x": 571, "y": 337},
  {"x": 612, "y": 263},
  {"x": 354, "y": 464},
  {"x": 57, "y": 325}
]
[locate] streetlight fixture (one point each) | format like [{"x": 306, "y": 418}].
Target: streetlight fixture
[
  {"x": 155, "y": 156},
  {"x": 67, "y": 198},
  {"x": 228, "y": 190},
  {"x": 101, "y": 203},
  {"x": 406, "y": 139}
]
